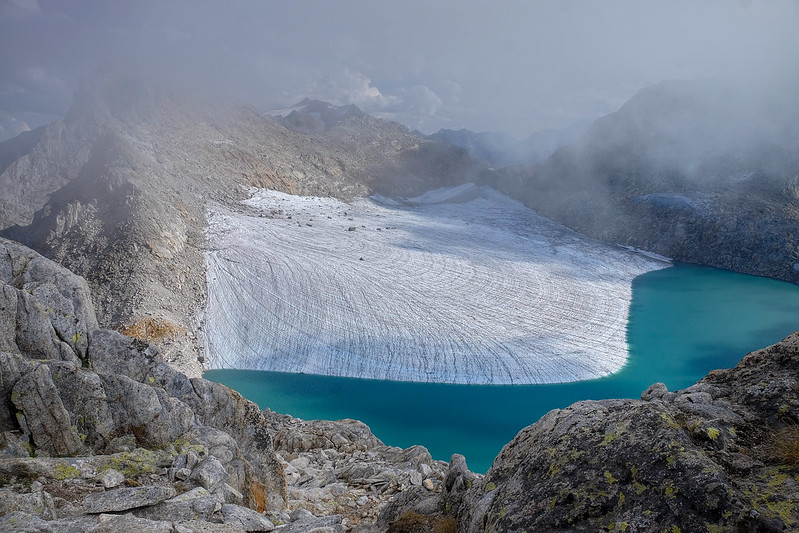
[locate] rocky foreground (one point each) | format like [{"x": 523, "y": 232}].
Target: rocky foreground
[{"x": 99, "y": 434}]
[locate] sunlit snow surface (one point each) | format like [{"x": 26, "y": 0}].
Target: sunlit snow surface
[{"x": 460, "y": 285}]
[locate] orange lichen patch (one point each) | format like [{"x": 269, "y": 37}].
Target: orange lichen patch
[
  {"x": 150, "y": 329},
  {"x": 258, "y": 496}
]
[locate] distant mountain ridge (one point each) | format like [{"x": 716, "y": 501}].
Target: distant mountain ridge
[
  {"x": 702, "y": 171},
  {"x": 501, "y": 149},
  {"x": 316, "y": 117}
]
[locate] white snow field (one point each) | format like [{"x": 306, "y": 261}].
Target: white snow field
[{"x": 460, "y": 285}]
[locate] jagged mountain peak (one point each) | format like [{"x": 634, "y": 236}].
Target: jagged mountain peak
[{"x": 311, "y": 116}]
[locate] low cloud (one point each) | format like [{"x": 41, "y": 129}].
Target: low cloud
[
  {"x": 415, "y": 106},
  {"x": 349, "y": 87},
  {"x": 519, "y": 67},
  {"x": 11, "y": 126}
]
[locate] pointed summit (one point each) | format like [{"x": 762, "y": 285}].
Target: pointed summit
[{"x": 314, "y": 117}]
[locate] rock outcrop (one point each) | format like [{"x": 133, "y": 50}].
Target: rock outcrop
[
  {"x": 93, "y": 422},
  {"x": 340, "y": 468},
  {"x": 97, "y": 433},
  {"x": 722, "y": 455}
]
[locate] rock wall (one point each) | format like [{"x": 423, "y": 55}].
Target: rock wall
[
  {"x": 702, "y": 171},
  {"x": 97, "y": 433},
  {"x": 103, "y": 425}
]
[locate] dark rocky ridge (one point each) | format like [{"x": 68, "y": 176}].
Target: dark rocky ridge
[
  {"x": 722, "y": 455},
  {"x": 118, "y": 191},
  {"x": 701, "y": 171},
  {"x": 705, "y": 458}
]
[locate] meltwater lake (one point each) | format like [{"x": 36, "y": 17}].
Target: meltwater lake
[{"x": 684, "y": 321}]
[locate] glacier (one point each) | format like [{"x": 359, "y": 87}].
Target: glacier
[{"x": 459, "y": 285}]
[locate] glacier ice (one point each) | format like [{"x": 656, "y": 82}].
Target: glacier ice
[{"x": 459, "y": 285}]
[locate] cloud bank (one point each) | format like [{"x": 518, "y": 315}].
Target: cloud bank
[{"x": 515, "y": 66}]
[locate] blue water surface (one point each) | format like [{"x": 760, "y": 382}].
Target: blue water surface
[{"x": 684, "y": 321}]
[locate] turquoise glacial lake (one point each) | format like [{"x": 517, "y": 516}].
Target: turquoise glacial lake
[{"x": 684, "y": 321}]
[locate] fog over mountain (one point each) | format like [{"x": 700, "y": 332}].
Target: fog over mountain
[
  {"x": 229, "y": 177},
  {"x": 704, "y": 171},
  {"x": 517, "y": 67}
]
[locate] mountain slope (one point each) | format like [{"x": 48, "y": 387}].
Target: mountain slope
[
  {"x": 133, "y": 167},
  {"x": 500, "y": 149},
  {"x": 699, "y": 171}
]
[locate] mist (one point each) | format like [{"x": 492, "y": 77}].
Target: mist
[{"x": 517, "y": 67}]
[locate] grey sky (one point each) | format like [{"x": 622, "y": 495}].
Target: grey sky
[{"x": 517, "y": 66}]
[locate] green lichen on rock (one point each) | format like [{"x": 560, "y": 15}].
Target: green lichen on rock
[
  {"x": 610, "y": 437},
  {"x": 672, "y": 423},
  {"x": 671, "y": 491},
  {"x": 66, "y": 471},
  {"x": 774, "y": 495},
  {"x": 138, "y": 462},
  {"x": 713, "y": 433}
]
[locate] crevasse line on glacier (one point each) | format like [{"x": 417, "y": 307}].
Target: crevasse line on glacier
[{"x": 460, "y": 285}]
